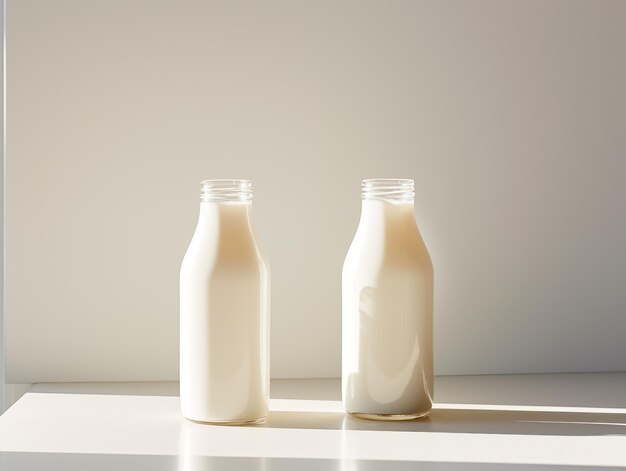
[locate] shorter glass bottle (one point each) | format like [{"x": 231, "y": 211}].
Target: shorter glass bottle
[
  {"x": 224, "y": 312},
  {"x": 387, "y": 309}
]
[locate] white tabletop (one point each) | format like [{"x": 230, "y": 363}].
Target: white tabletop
[{"x": 525, "y": 422}]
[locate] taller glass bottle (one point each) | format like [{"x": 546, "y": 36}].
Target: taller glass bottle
[
  {"x": 387, "y": 304},
  {"x": 224, "y": 312}
]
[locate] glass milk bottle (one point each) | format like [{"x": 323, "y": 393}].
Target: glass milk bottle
[
  {"x": 224, "y": 312},
  {"x": 387, "y": 309}
]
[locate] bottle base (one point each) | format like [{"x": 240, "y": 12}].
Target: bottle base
[
  {"x": 388, "y": 417},
  {"x": 235, "y": 422}
]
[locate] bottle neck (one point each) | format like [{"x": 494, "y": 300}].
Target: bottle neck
[
  {"x": 225, "y": 204},
  {"x": 225, "y": 230},
  {"x": 381, "y": 212},
  {"x": 224, "y": 216},
  {"x": 388, "y": 201}
]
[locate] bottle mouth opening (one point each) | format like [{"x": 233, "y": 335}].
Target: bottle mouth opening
[
  {"x": 228, "y": 190},
  {"x": 391, "y": 189}
]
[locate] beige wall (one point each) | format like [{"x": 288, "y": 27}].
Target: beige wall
[{"x": 511, "y": 116}]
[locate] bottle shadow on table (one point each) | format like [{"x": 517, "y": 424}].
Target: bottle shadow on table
[
  {"x": 597, "y": 402},
  {"x": 443, "y": 420}
]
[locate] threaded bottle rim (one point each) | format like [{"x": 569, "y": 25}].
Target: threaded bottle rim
[
  {"x": 389, "y": 189},
  {"x": 226, "y": 190}
]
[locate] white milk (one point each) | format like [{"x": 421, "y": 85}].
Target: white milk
[
  {"x": 387, "y": 296},
  {"x": 224, "y": 312}
]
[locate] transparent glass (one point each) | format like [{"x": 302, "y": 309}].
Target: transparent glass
[
  {"x": 388, "y": 189},
  {"x": 224, "y": 312},
  {"x": 226, "y": 190},
  {"x": 387, "y": 309}
]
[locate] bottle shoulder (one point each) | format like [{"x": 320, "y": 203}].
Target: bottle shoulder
[
  {"x": 211, "y": 252},
  {"x": 407, "y": 241},
  {"x": 371, "y": 249}
]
